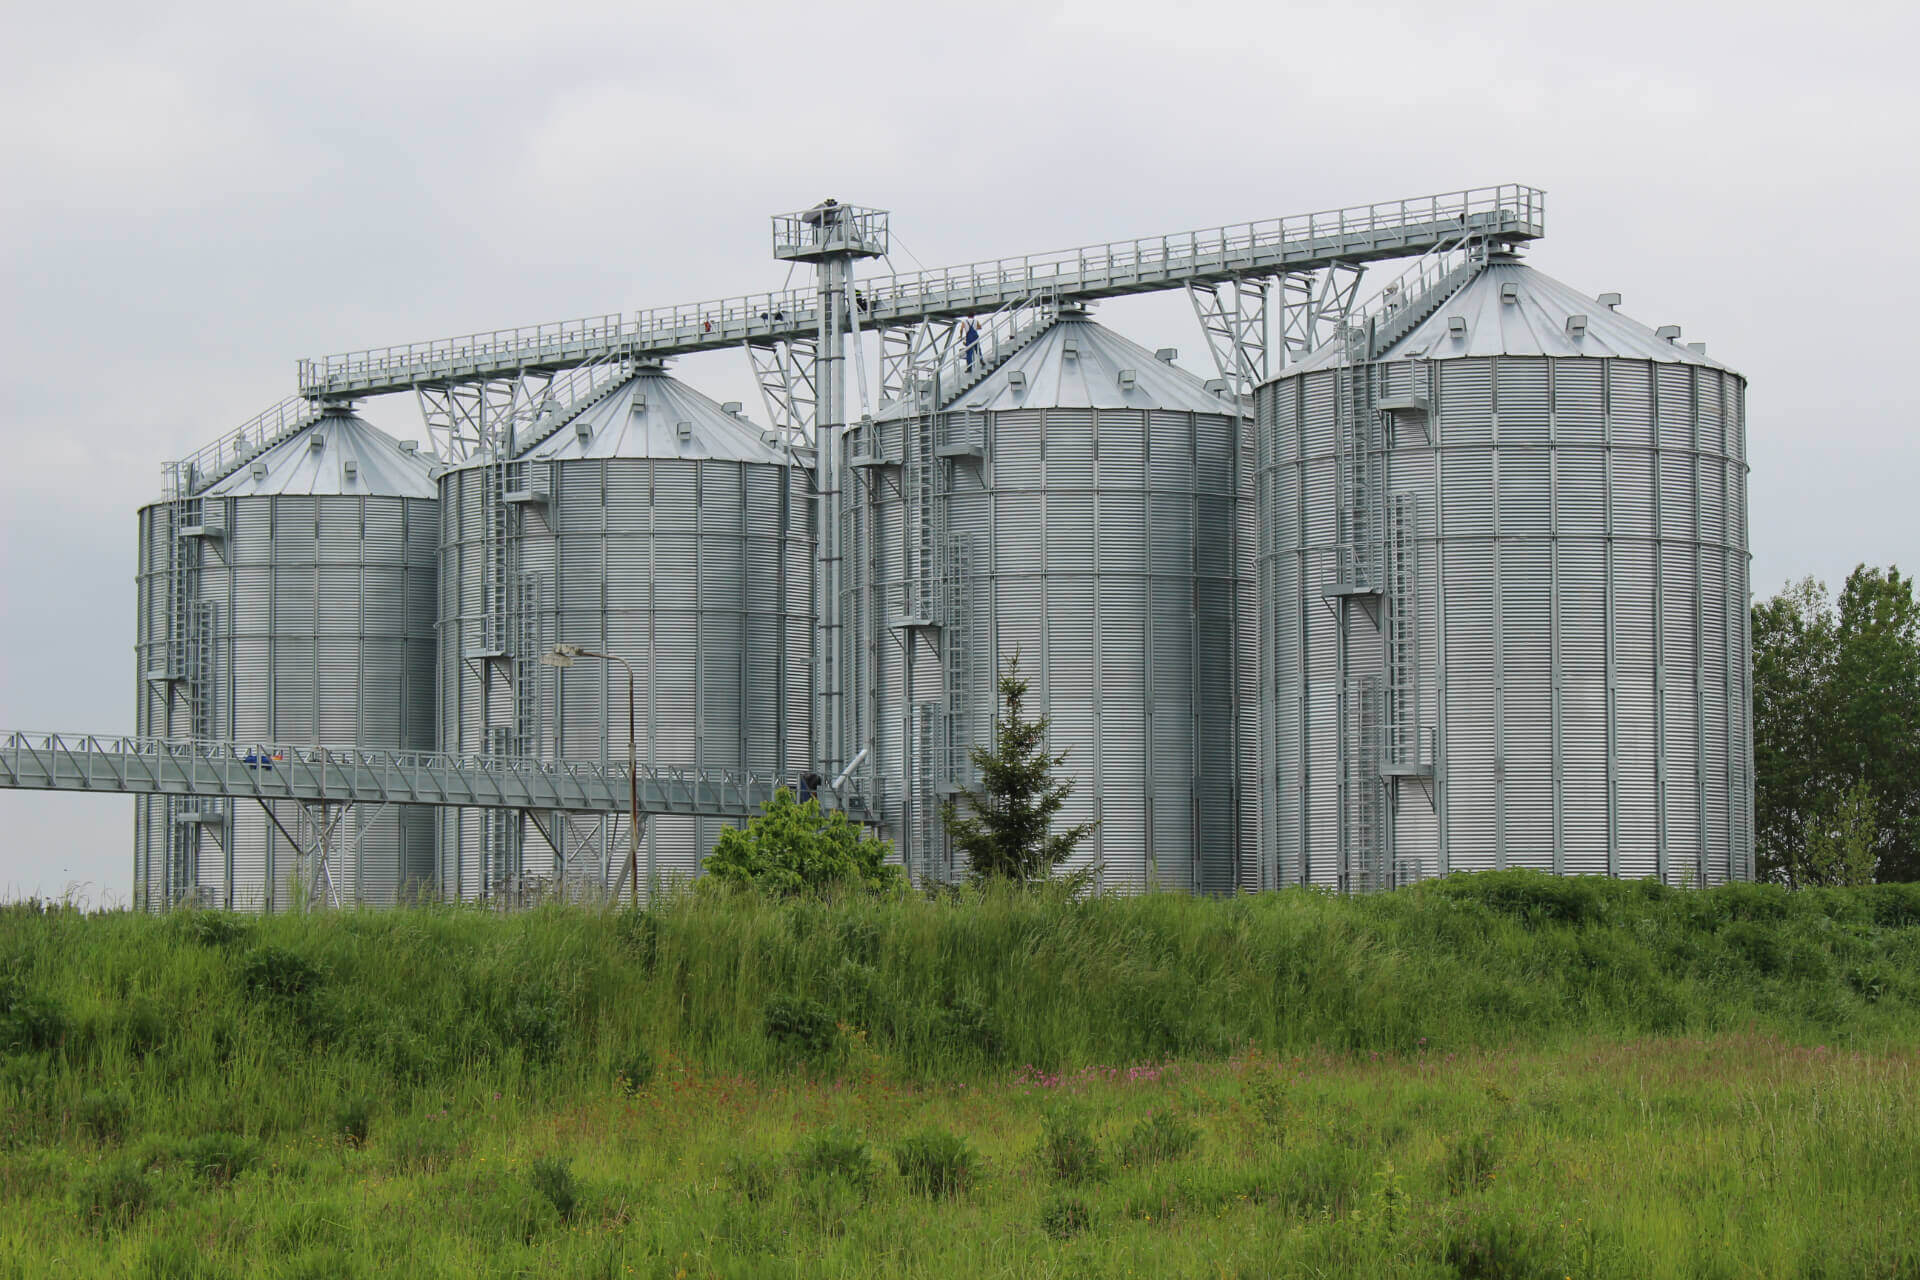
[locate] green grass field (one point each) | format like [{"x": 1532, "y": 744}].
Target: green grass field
[{"x": 1495, "y": 1076}]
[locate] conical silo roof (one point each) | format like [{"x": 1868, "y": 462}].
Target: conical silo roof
[
  {"x": 652, "y": 415},
  {"x": 315, "y": 461},
  {"x": 1077, "y": 364},
  {"x": 1510, "y": 309}
]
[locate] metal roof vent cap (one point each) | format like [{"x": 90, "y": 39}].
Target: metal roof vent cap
[
  {"x": 732, "y": 406},
  {"x": 1670, "y": 332},
  {"x": 1017, "y": 380},
  {"x": 410, "y": 446},
  {"x": 1510, "y": 292},
  {"x": 583, "y": 432},
  {"x": 684, "y": 430},
  {"x": 349, "y": 470},
  {"x": 1070, "y": 348},
  {"x": 1698, "y": 348},
  {"x": 258, "y": 471},
  {"x": 317, "y": 441},
  {"x": 1167, "y": 355},
  {"x": 639, "y": 405},
  {"x": 1576, "y": 327},
  {"x": 1218, "y": 386},
  {"x": 1127, "y": 378},
  {"x": 1457, "y": 326},
  {"x": 1611, "y": 301}
]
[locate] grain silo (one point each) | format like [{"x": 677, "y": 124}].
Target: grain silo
[
  {"x": 654, "y": 525},
  {"x": 1078, "y": 504},
  {"x": 289, "y": 600},
  {"x": 1503, "y": 583}
]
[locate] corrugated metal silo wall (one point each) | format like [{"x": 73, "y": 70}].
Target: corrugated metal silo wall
[
  {"x": 320, "y": 617},
  {"x": 697, "y": 572},
  {"x": 1581, "y": 602},
  {"x": 1111, "y": 551}
]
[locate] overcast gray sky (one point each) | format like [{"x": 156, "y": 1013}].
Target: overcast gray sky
[{"x": 196, "y": 195}]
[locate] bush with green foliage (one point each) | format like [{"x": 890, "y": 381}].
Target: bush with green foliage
[
  {"x": 218, "y": 1158},
  {"x": 113, "y": 1195},
  {"x": 634, "y": 1071},
  {"x": 30, "y": 1021},
  {"x": 1164, "y": 1135},
  {"x": 1065, "y": 1217},
  {"x": 838, "y": 1154},
  {"x": 1069, "y": 1151},
  {"x": 936, "y": 1163},
  {"x": 552, "y": 1177},
  {"x": 105, "y": 1114},
  {"x": 792, "y": 848}
]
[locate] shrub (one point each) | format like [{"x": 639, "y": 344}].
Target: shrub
[
  {"x": 1164, "y": 1135},
  {"x": 792, "y": 848},
  {"x": 1068, "y": 1148},
  {"x": 29, "y": 1022},
  {"x": 1496, "y": 1247},
  {"x": 634, "y": 1071},
  {"x": 1471, "y": 1162},
  {"x": 107, "y": 1114},
  {"x": 219, "y": 1158},
  {"x": 145, "y": 1025},
  {"x": 212, "y": 928},
  {"x": 936, "y": 1163},
  {"x": 552, "y": 1177},
  {"x": 800, "y": 1026},
  {"x": 353, "y": 1120},
  {"x": 1065, "y": 1217},
  {"x": 838, "y": 1154},
  {"x": 113, "y": 1195},
  {"x": 964, "y": 1026},
  {"x": 535, "y": 1023},
  {"x": 279, "y": 976}
]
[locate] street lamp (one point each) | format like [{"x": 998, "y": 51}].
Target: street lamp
[{"x": 563, "y": 656}]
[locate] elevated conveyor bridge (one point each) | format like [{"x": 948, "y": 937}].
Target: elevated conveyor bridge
[
  {"x": 1248, "y": 250},
  {"x": 210, "y": 770}
]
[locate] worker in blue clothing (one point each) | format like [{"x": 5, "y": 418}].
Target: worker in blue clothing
[{"x": 972, "y": 341}]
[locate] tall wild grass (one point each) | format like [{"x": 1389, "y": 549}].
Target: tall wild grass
[{"x": 204, "y": 1021}]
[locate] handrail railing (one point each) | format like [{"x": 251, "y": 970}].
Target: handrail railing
[
  {"x": 1359, "y": 232},
  {"x": 214, "y": 461}
]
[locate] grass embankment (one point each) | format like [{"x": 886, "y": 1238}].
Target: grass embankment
[{"x": 1504, "y": 1075}]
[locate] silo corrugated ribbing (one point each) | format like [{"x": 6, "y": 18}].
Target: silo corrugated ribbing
[
  {"x": 1554, "y": 671},
  {"x": 1081, "y": 508},
  {"x": 312, "y": 591},
  {"x": 656, "y": 527}
]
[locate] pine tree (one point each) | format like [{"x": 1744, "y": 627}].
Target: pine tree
[{"x": 1009, "y": 833}]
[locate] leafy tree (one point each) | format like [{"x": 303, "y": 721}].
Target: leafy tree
[
  {"x": 1836, "y": 721},
  {"x": 1793, "y": 652},
  {"x": 1876, "y": 727},
  {"x": 1840, "y": 840},
  {"x": 793, "y": 848},
  {"x": 1009, "y": 833}
]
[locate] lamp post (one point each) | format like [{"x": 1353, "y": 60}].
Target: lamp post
[{"x": 563, "y": 656}]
